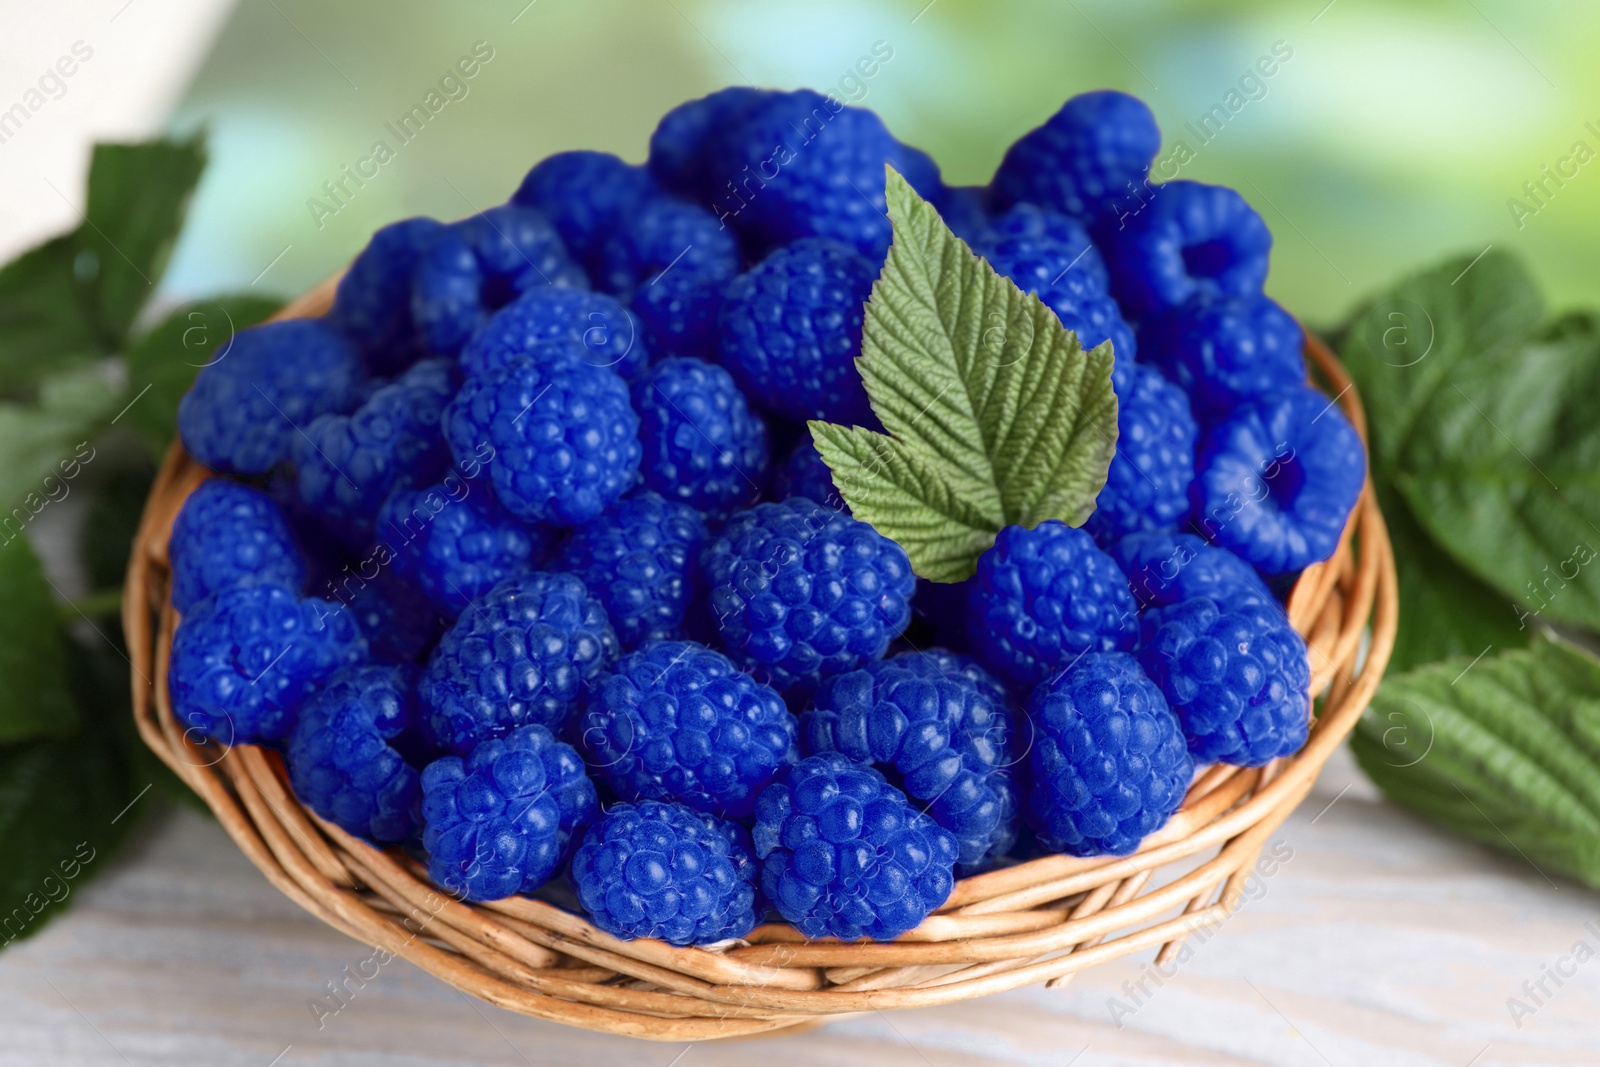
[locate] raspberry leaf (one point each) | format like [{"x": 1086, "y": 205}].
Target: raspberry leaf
[
  {"x": 1505, "y": 750},
  {"x": 1504, "y": 470},
  {"x": 34, "y": 699},
  {"x": 1458, "y": 614},
  {"x": 1404, "y": 345},
  {"x": 1484, "y": 422},
  {"x": 74, "y": 297},
  {"x": 67, "y": 804},
  {"x": 138, "y": 196},
  {"x": 44, "y": 314},
  {"x": 994, "y": 414},
  {"x": 44, "y": 445}
]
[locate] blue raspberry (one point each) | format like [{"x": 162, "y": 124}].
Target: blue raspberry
[
  {"x": 1147, "y": 487},
  {"x": 1048, "y": 242},
  {"x": 844, "y": 854},
  {"x": 341, "y": 759},
  {"x": 670, "y": 261},
  {"x": 702, "y": 444},
  {"x": 1163, "y": 568},
  {"x": 457, "y": 544},
  {"x": 1276, "y": 480},
  {"x": 641, "y": 560},
  {"x": 229, "y": 534},
  {"x": 664, "y": 871},
  {"x": 1188, "y": 239},
  {"x": 481, "y": 264},
  {"x": 936, "y": 725},
  {"x": 964, "y": 210},
  {"x": 524, "y": 653},
  {"x": 1073, "y": 294},
  {"x": 678, "y": 721},
  {"x": 593, "y": 327},
  {"x": 791, "y": 331},
  {"x": 586, "y": 194},
  {"x": 682, "y": 147},
  {"x": 500, "y": 821},
  {"x": 398, "y": 620},
  {"x": 820, "y": 168},
  {"x": 1225, "y": 349},
  {"x": 1043, "y": 597},
  {"x": 244, "y": 660},
  {"x": 1235, "y": 672},
  {"x": 1083, "y": 158},
  {"x": 1108, "y": 765},
  {"x": 800, "y": 591},
  {"x": 372, "y": 306},
  {"x": 565, "y": 439},
  {"x": 742, "y": 854},
  {"x": 805, "y": 474},
  {"x": 247, "y": 406},
  {"x": 347, "y": 465},
  {"x": 949, "y": 664}
]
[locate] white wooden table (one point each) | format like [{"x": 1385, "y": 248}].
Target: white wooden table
[{"x": 1376, "y": 941}]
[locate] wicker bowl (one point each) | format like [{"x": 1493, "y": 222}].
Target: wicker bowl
[{"x": 1039, "y": 921}]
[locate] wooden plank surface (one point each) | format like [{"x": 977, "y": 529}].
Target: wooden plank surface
[{"x": 1368, "y": 939}]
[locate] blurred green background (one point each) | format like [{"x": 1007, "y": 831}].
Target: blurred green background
[{"x": 1394, "y": 133}]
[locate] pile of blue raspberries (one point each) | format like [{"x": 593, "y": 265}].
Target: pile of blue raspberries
[{"x": 523, "y": 561}]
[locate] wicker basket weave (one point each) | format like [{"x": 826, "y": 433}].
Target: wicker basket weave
[{"x": 1039, "y": 921}]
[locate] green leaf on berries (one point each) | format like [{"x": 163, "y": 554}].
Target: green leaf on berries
[
  {"x": 995, "y": 414},
  {"x": 167, "y": 358},
  {"x": 1505, "y": 750}
]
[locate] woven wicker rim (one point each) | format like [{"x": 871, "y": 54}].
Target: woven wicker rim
[{"x": 1039, "y": 921}]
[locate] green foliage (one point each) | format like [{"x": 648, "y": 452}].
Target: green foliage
[
  {"x": 138, "y": 195},
  {"x": 1486, "y": 453},
  {"x": 44, "y": 317},
  {"x": 1447, "y": 610},
  {"x": 1505, "y": 751},
  {"x": 996, "y": 416},
  {"x": 1488, "y": 425},
  {"x": 1507, "y": 474},
  {"x": 67, "y": 804},
  {"x": 70, "y": 763},
  {"x": 44, "y": 445},
  {"x": 1404, "y": 345},
  {"x": 73, "y": 298},
  {"x": 34, "y": 698}
]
